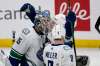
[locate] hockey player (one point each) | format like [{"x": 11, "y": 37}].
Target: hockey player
[
  {"x": 30, "y": 40},
  {"x": 57, "y": 53},
  {"x": 68, "y": 22}
]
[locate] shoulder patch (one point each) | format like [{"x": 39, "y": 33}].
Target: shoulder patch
[
  {"x": 66, "y": 48},
  {"x": 26, "y": 31}
]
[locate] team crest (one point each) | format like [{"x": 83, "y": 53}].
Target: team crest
[{"x": 65, "y": 48}]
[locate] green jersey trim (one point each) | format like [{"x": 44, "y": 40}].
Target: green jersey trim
[{"x": 15, "y": 54}]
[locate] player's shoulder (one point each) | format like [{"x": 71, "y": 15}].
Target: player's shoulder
[
  {"x": 66, "y": 47},
  {"x": 48, "y": 45},
  {"x": 26, "y": 31}
]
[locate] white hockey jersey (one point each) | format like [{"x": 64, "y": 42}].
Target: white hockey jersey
[
  {"x": 28, "y": 43},
  {"x": 58, "y": 55}
]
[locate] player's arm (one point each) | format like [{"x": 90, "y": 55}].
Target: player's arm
[
  {"x": 44, "y": 51},
  {"x": 19, "y": 48},
  {"x": 70, "y": 21}
]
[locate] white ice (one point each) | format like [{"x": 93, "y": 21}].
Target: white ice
[{"x": 93, "y": 54}]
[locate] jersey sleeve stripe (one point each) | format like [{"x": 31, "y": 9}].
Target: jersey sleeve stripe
[
  {"x": 16, "y": 55},
  {"x": 17, "y": 52}
]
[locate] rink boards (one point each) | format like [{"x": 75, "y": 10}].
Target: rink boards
[
  {"x": 79, "y": 43},
  {"x": 86, "y": 35}
]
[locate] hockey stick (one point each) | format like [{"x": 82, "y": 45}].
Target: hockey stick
[
  {"x": 73, "y": 41},
  {"x": 80, "y": 60},
  {"x": 72, "y": 29}
]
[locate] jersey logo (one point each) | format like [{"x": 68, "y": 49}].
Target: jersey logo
[
  {"x": 66, "y": 48},
  {"x": 26, "y": 31}
]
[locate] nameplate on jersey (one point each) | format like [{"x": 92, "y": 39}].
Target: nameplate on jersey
[
  {"x": 26, "y": 31},
  {"x": 51, "y": 55}
]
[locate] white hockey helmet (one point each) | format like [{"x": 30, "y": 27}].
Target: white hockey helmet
[
  {"x": 58, "y": 32},
  {"x": 60, "y": 19}
]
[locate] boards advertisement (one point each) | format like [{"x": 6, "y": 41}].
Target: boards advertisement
[{"x": 87, "y": 12}]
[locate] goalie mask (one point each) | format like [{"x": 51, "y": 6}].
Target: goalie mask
[{"x": 41, "y": 24}]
